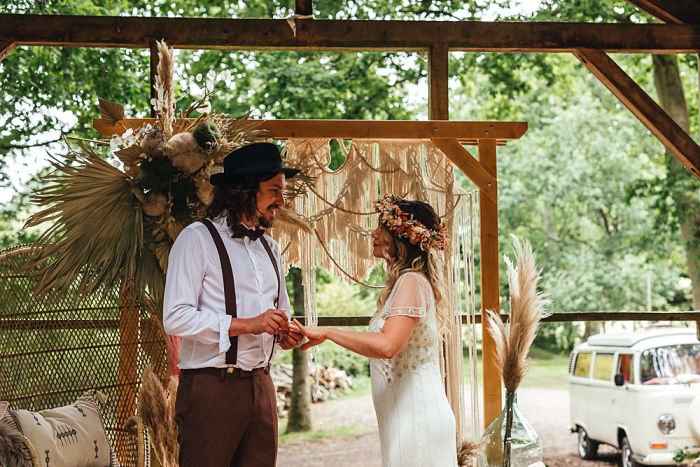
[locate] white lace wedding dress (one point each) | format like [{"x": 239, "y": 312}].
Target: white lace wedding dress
[{"x": 416, "y": 423}]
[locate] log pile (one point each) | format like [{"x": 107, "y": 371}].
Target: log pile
[{"x": 330, "y": 381}]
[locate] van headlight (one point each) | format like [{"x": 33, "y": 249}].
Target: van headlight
[{"x": 666, "y": 424}]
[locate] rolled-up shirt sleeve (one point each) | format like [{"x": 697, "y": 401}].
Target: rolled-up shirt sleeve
[{"x": 181, "y": 314}]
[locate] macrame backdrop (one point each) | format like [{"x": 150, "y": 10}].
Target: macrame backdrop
[{"x": 330, "y": 227}]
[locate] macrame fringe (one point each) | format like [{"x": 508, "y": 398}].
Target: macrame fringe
[{"x": 340, "y": 216}]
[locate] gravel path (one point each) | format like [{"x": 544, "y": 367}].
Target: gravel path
[{"x": 546, "y": 409}]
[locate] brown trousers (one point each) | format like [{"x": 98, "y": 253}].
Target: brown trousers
[{"x": 226, "y": 423}]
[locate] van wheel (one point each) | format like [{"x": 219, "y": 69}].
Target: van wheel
[
  {"x": 587, "y": 448},
  {"x": 626, "y": 453}
]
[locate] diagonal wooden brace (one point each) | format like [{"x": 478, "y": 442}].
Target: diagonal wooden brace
[
  {"x": 6, "y": 48},
  {"x": 471, "y": 167},
  {"x": 671, "y": 11},
  {"x": 677, "y": 141}
]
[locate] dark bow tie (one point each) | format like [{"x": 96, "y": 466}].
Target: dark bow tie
[{"x": 242, "y": 231}]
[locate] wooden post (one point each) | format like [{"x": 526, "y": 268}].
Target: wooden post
[
  {"x": 490, "y": 293},
  {"x": 128, "y": 358},
  {"x": 154, "y": 73},
  {"x": 304, "y": 7},
  {"x": 438, "y": 99},
  {"x": 6, "y": 48}
]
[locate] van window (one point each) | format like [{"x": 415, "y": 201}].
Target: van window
[
  {"x": 583, "y": 364},
  {"x": 671, "y": 364},
  {"x": 603, "y": 366},
  {"x": 624, "y": 366}
]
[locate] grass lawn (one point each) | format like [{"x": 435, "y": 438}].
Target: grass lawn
[
  {"x": 547, "y": 370},
  {"x": 362, "y": 387}
]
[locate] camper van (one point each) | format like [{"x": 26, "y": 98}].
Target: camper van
[{"x": 640, "y": 393}]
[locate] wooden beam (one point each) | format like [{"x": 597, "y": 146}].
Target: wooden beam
[
  {"x": 490, "y": 293},
  {"x": 438, "y": 103},
  {"x": 6, "y": 48},
  {"x": 276, "y": 34},
  {"x": 304, "y": 7},
  {"x": 361, "y": 129},
  {"x": 671, "y": 11},
  {"x": 571, "y": 317},
  {"x": 480, "y": 176},
  {"x": 676, "y": 140}
]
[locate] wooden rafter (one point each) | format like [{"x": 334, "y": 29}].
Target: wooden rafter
[
  {"x": 643, "y": 107},
  {"x": 5, "y": 48},
  {"x": 304, "y": 7},
  {"x": 671, "y": 11},
  {"x": 313, "y": 34}
]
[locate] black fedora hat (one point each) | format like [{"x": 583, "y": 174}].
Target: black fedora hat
[{"x": 253, "y": 159}]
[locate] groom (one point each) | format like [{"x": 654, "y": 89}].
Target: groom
[{"x": 225, "y": 295}]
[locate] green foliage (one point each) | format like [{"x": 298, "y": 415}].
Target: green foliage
[
  {"x": 587, "y": 184},
  {"x": 338, "y": 298},
  {"x": 338, "y": 357}
]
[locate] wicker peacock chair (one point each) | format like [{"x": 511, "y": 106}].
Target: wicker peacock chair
[{"x": 52, "y": 351}]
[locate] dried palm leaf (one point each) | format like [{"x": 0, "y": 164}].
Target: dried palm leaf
[
  {"x": 96, "y": 233},
  {"x": 111, "y": 112},
  {"x": 298, "y": 185},
  {"x": 157, "y": 408},
  {"x": 130, "y": 156},
  {"x": 287, "y": 215}
]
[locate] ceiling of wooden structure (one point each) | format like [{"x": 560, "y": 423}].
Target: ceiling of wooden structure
[
  {"x": 589, "y": 42},
  {"x": 321, "y": 34}
]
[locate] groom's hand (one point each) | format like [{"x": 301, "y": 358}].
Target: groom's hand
[
  {"x": 290, "y": 339},
  {"x": 270, "y": 322}
]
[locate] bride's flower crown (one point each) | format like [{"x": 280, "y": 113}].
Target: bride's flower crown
[{"x": 403, "y": 225}]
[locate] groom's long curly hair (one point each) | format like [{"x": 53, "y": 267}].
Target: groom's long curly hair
[
  {"x": 408, "y": 257},
  {"x": 237, "y": 199}
]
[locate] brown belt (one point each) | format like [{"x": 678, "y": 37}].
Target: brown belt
[{"x": 229, "y": 372}]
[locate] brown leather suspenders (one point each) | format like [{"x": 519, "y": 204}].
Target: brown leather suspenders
[{"x": 230, "y": 289}]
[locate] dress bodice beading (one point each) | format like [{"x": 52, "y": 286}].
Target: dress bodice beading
[{"x": 413, "y": 296}]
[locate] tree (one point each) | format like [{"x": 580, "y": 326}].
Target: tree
[
  {"x": 300, "y": 408},
  {"x": 683, "y": 191}
]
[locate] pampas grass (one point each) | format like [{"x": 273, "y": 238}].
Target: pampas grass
[
  {"x": 165, "y": 88},
  {"x": 526, "y": 309},
  {"x": 157, "y": 408},
  {"x": 467, "y": 452}
]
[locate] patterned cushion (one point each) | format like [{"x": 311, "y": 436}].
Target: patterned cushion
[{"x": 71, "y": 436}]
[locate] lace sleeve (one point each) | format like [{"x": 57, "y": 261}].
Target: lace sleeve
[{"x": 409, "y": 297}]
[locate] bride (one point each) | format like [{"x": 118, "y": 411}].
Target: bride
[{"x": 416, "y": 423}]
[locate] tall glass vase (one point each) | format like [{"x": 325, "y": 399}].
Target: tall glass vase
[{"x": 510, "y": 441}]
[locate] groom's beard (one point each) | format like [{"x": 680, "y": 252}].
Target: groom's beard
[{"x": 266, "y": 221}]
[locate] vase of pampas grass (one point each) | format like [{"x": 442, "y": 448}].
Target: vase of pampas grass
[{"x": 510, "y": 440}]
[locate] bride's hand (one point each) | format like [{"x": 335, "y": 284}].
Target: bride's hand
[{"x": 315, "y": 335}]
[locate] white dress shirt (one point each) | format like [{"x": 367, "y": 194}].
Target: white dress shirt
[{"x": 194, "y": 306}]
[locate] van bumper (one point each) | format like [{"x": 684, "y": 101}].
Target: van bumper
[{"x": 658, "y": 458}]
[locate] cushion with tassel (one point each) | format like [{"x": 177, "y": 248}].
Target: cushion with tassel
[{"x": 68, "y": 436}]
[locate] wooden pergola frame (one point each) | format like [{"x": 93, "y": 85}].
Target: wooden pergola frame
[{"x": 587, "y": 41}]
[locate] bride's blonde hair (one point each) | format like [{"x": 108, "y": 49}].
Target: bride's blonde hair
[{"x": 410, "y": 257}]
